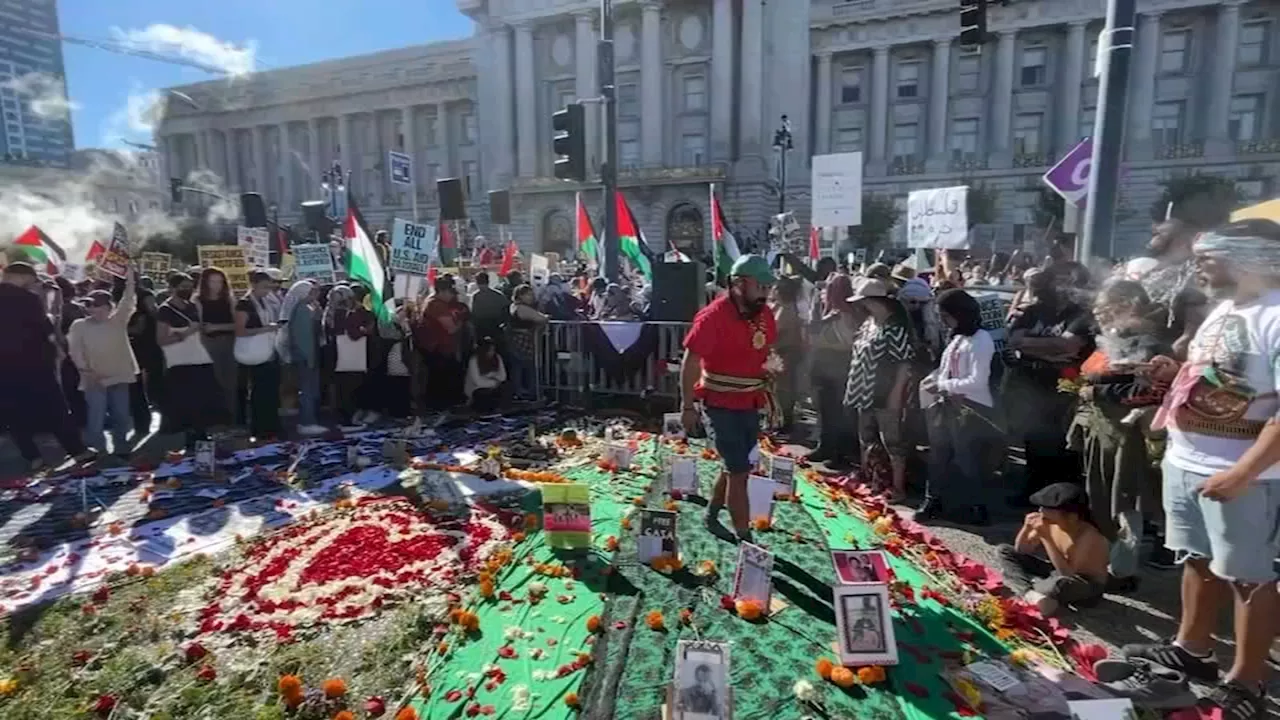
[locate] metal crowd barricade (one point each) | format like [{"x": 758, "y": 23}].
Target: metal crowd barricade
[{"x": 567, "y": 370}]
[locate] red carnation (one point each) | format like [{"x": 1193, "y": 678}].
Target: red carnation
[
  {"x": 101, "y": 595},
  {"x": 195, "y": 652},
  {"x": 727, "y": 603},
  {"x": 207, "y": 673},
  {"x": 453, "y": 696},
  {"x": 105, "y": 704},
  {"x": 375, "y": 706},
  {"x": 1070, "y": 373}
]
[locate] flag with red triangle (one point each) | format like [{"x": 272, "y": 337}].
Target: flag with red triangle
[
  {"x": 96, "y": 250},
  {"x": 589, "y": 246},
  {"x": 508, "y": 259},
  {"x": 726, "y": 245},
  {"x": 446, "y": 243},
  {"x": 631, "y": 240},
  {"x": 40, "y": 248}
]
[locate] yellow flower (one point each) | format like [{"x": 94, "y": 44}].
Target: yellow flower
[
  {"x": 1024, "y": 657},
  {"x": 883, "y": 525},
  {"x": 970, "y": 692},
  {"x": 1006, "y": 634},
  {"x": 8, "y": 686}
]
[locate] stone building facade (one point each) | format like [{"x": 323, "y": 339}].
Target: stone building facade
[{"x": 702, "y": 85}]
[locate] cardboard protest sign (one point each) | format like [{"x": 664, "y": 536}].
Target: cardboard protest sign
[
  {"x": 938, "y": 218},
  {"x": 411, "y": 247},
  {"x": 230, "y": 260},
  {"x": 115, "y": 261},
  {"x": 156, "y": 264},
  {"x": 312, "y": 262},
  {"x": 256, "y": 245}
]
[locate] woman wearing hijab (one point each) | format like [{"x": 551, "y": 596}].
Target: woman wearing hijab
[
  {"x": 831, "y": 340},
  {"x": 300, "y": 350},
  {"x": 959, "y": 407}
]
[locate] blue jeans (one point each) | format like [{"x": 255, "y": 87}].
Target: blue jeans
[
  {"x": 1240, "y": 538},
  {"x": 308, "y": 394},
  {"x": 103, "y": 402},
  {"x": 524, "y": 377}
]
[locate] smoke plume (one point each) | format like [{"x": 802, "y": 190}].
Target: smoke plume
[
  {"x": 45, "y": 93},
  {"x": 194, "y": 45}
]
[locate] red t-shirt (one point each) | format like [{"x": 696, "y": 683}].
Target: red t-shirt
[{"x": 723, "y": 339}]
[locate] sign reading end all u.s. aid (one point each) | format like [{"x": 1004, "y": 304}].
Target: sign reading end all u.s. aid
[{"x": 566, "y": 515}]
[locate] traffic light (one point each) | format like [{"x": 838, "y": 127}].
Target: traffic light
[
  {"x": 175, "y": 190},
  {"x": 570, "y": 142},
  {"x": 973, "y": 22}
]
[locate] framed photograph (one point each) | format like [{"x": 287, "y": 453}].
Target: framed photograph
[
  {"x": 700, "y": 689},
  {"x": 681, "y": 472},
  {"x": 672, "y": 426},
  {"x": 782, "y": 470},
  {"x": 864, "y": 626},
  {"x": 760, "y": 491},
  {"x": 206, "y": 457},
  {"x": 860, "y": 566},
  {"x": 753, "y": 578},
  {"x": 657, "y": 535},
  {"x": 619, "y": 455}
]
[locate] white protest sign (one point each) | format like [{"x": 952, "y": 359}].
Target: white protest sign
[
  {"x": 836, "y": 180},
  {"x": 411, "y": 246},
  {"x": 73, "y": 272},
  {"x": 256, "y": 245},
  {"x": 539, "y": 270},
  {"x": 938, "y": 218},
  {"x": 312, "y": 262}
]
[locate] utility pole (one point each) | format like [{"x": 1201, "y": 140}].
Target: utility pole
[
  {"x": 1108, "y": 146},
  {"x": 609, "y": 169},
  {"x": 783, "y": 144}
]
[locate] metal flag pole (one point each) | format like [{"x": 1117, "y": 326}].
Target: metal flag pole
[
  {"x": 1108, "y": 149},
  {"x": 609, "y": 170}
]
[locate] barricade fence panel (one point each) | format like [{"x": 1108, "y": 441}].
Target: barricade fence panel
[{"x": 568, "y": 366}]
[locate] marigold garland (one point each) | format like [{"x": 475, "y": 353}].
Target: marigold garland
[
  {"x": 871, "y": 674},
  {"x": 654, "y": 620},
  {"x": 749, "y": 608},
  {"x": 407, "y": 713},
  {"x": 536, "y": 476},
  {"x": 843, "y": 677},
  {"x": 666, "y": 564}
]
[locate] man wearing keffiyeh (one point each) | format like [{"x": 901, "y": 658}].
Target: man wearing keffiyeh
[{"x": 1222, "y": 467}]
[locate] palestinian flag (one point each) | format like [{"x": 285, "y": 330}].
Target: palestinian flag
[
  {"x": 508, "y": 259},
  {"x": 588, "y": 242},
  {"x": 364, "y": 264},
  {"x": 631, "y": 241},
  {"x": 814, "y": 249},
  {"x": 40, "y": 248},
  {"x": 96, "y": 250},
  {"x": 446, "y": 244},
  {"x": 726, "y": 245}
]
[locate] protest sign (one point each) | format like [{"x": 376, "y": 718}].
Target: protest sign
[
  {"x": 836, "y": 182},
  {"x": 230, "y": 260},
  {"x": 938, "y": 218},
  {"x": 256, "y": 245},
  {"x": 115, "y": 261},
  {"x": 73, "y": 272},
  {"x": 410, "y": 247},
  {"x": 312, "y": 262},
  {"x": 156, "y": 264}
]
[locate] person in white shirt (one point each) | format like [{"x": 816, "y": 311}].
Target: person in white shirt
[
  {"x": 486, "y": 376},
  {"x": 1222, "y": 468},
  {"x": 958, "y": 405}
]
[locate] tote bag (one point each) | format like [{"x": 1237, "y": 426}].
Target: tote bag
[
  {"x": 352, "y": 354},
  {"x": 187, "y": 351},
  {"x": 256, "y": 349}
]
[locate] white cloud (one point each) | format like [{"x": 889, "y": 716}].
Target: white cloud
[
  {"x": 46, "y": 93},
  {"x": 192, "y": 44},
  {"x": 136, "y": 121}
]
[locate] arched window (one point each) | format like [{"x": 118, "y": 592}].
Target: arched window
[
  {"x": 557, "y": 233},
  {"x": 685, "y": 229}
]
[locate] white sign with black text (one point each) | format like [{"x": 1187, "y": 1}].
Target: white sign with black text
[
  {"x": 938, "y": 218},
  {"x": 411, "y": 247},
  {"x": 657, "y": 536},
  {"x": 836, "y": 180}
]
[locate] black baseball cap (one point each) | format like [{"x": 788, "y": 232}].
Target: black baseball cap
[{"x": 1063, "y": 496}]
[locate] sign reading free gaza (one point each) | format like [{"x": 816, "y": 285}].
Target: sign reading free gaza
[{"x": 412, "y": 246}]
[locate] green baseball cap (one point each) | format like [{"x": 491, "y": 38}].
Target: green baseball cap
[{"x": 754, "y": 267}]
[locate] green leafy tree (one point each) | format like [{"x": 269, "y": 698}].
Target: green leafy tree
[
  {"x": 1200, "y": 200},
  {"x": 879, "y": 217},
  {"x": 980, "y": 205}
]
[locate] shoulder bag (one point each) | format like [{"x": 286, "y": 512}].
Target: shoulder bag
[
  {"x": 256, "y": 349},
  {"x": 189, "y": 350}
]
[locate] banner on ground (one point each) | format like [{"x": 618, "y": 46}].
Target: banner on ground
[
  {"x": 312, "y": 262},
  {"x": 115, "y": 261},
  {"x": 156, "y": 264},
  {"x": 411, "y": 249},
  {"x": 230, "y": 260},
  {"x": 836, "y": 180},
  {"x": 938, "y": 218},
  {"x": 255, "y": 243}
]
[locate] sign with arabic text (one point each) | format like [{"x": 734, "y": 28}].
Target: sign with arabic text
[{"x": 938, "y": 218}]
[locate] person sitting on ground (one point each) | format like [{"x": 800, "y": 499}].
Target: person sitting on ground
[
  {"x": 1076, "y": 570},
  {"x": 486, "y": 376}
]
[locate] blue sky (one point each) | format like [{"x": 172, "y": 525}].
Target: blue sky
[{"x": 285, "y": 32}]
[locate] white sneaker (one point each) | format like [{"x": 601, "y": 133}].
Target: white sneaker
[
  {"x": 361, "y": 417},
  {"x": 371, "y": 417},
  {"x": 312, "y": 429}
]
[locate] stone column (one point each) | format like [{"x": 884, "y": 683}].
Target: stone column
[
  {"x": 503, "y": 159},
  {"x": 286, "y": 167},
  {"x": 1002, "y": 98},
  {"x": 1217, "y": 129},
  {"x": 313, "y": 153},
  {"x": 1072, "y": 79},
  {"x": 939, "y": 104},
  {"x": 1143, "y": 89},
  {"x": 822, "y": 123},
  {"x": 202, "y": 150},
  {"x": 234, "y": 181},
  {"x": 586, "y": 86},
  {"x": 651, "y": 87},
  {"x": 449, "y": 159},
  {"x": 259, "y": 140},
  {"x": 345, "y": 156},
  {"x": 751, "y": 121},
  {"x": 722, "y": 67},
  {"x": 526, "y": 103},
  {"x": 879, "y": 120}
]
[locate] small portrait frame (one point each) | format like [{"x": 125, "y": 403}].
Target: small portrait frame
[
  {"x": 860, "y": 566},
  {"x": 753, "y": 577},
  {"x": 618, "y": 454},
  {"x": 656, "y": 536},
  {"x": 700, "y": 686},
  {"x": 782, "y": 470},
  {"x": 864, "y": 625},
  {"x": 681, "y": 472},
  {"x": 673, "y": 427},
  {"x": 205, "y": 458}
]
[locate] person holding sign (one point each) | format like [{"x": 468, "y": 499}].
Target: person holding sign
[
  {"x": 99, "y": 347},
  {"x": 724, "y": 368}
]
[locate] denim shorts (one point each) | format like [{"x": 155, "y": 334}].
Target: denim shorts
[
  {"x": 1240, "y": 537},
  {"x": 736, "y": 433}
]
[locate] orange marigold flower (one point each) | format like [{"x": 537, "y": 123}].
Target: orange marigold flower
[
  {"x": 334, "y": 687},
  {"x": 824, "y": 667},
  {"x": 517, "y": 537},
  {"x": 762, "y": 523},
  {"x": 442, "y": 648},
  {"x": 486, "y": 588},
  {"x": 293, "y": 700},
  {"x": 407, "y": 714},
  {"x": 289, "y": 684},
  {"x": 626, "y": 523},
  {"x": 593, "y": 624},
  {"x": 637, "y": 501},
  {"x": 344, "y": 715},
  {"x": 148, "y": 571},
  {"x": 571, "y": 699},
  {"x": 871, "y": 674},
  {"x": 843, "y": 676},
  {"x": 671, "y": 506},
  {"x": 611, "y": 543},
  {"x": 654, "y": 620},
  {"x": 531, "y": 521},
  {"x": 749, "y": 608}
]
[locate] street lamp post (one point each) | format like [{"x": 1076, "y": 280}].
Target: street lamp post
[{"x": 782, "y": 143}]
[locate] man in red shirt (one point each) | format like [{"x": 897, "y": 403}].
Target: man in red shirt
[
  {"x": 438, "y": 335},
  {"x": 724, "y": 368}
]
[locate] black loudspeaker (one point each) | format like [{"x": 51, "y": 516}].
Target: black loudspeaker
[
  {"x": 453, "y": 201},
  {"x": 678, "y": 291},
  {"x": 500, "y": 207},
  {"x": 252, "y": 210},
  {"x": 315, "y": 215}
]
